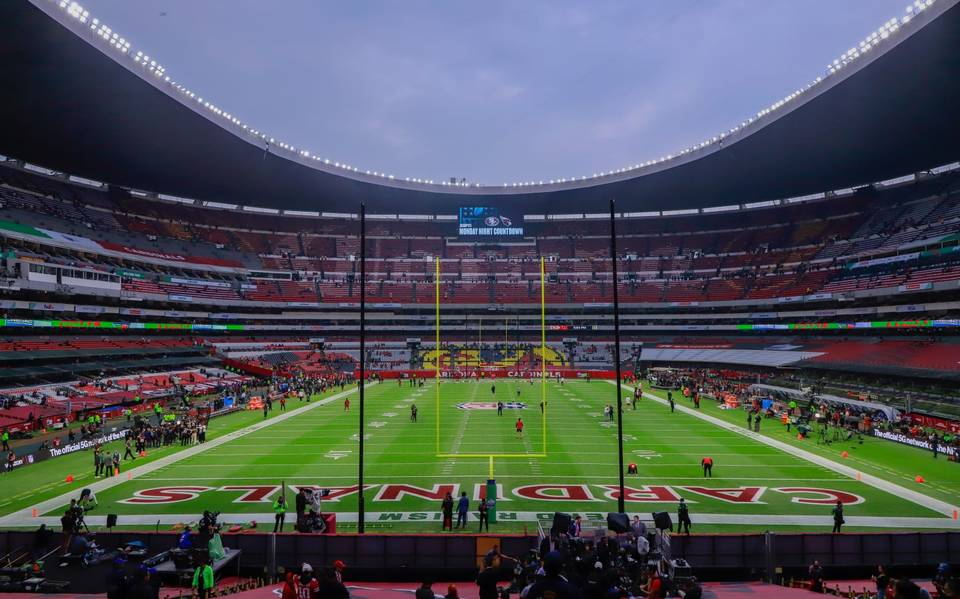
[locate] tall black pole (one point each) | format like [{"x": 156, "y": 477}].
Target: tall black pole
[
  {"x": 616, "y": 352},
  {"x": 363, "y": 371}
]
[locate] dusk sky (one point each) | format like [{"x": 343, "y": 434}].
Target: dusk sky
[{"x": 493, "y": 91}]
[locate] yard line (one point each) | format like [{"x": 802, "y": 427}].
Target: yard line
[
  {"x": 874, "y": 481},
  {"x": 102, "y": 485},
  {"x": 547, "y": 461},
  {"x": 483, "y": 475}
]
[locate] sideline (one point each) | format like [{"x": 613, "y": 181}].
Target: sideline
[
  {"x": 24, "y": 516},
  {"x": 381, "y": 517},
  {"x": 868, "y": 479}
]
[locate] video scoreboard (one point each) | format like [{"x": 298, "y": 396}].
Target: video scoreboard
[{"x": 487, "y": 222}]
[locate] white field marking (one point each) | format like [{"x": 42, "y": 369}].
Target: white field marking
[
  {"x": 479, "y": 475},
  {"x": 545, "y": 461},
  {"x": 374, "y": 517},
  {"x": 420, "y": 454},
  {"x": 107, "y": 483},
  {"x": 479, "y": 439},
  {"x": 450, "y": 463},
  {"x": 868, "y": 479}
]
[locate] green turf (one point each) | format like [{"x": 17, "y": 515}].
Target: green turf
[
  {"x": 895, "y": 462},
  {"x": 317, "y": 447}
]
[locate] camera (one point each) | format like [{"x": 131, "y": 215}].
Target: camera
[{"x": 209, "y": 521}]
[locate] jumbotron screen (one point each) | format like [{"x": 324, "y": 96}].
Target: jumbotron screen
[{"x": 484, "y": 221}]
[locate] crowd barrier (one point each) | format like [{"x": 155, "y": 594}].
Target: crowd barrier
[{"x": 374, "y": 556}]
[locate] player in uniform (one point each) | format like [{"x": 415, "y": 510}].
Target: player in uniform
[
  {"x": 519, "y": 427},
  {"x": 707, "y": 464}
]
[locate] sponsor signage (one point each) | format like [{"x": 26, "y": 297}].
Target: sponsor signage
[
  {"x": 201, "y": 282},
  {"x": 907, "y": 440},
  {"x": 56, "y": 452}
]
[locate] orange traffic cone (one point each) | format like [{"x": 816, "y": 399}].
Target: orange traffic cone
[
  {"x": 955, "y": 514},
  {"x": 844, "y": 455},
  {"x": 34, "y": 513},
  {"x": 69, "y": 478},
  {"x": 143, "y": 454},
  {"x": 858, "y": 476},
  {"x": 919, "y": 479},
  {"x": 129, "y": 476},
  {"x": 799, "y": 437},
  {"x": 116, "y": 472}
]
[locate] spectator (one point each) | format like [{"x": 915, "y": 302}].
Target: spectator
[
  {"x": 553, "y": 585},
  {"x": 654, "y": 585},
  {"x": 141, "y": 587},
  {"x": 203, "y": 578},
  {"x": 882, "y": 581},
  {"x": 816, "y": 576},
  {"x": 907, "y": 589},
  {"x": 425, "y": 591},
  {"x": 330, "y": 587},
  {"x": 304, "y": 585},
  {"x": 487, "y": 580}
]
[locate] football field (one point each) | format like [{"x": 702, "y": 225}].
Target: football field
[{"x": 766, "y": 481}]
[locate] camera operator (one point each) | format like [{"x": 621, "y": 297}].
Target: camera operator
[
  {"x": 76, "y": 514},
  {"x": 208, "y": 522}
]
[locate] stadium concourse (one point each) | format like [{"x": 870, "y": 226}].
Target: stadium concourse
[{"x": 717, "y": 373}]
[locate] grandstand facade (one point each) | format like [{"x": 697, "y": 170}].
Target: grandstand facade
[{"x": 164, "y": 274}]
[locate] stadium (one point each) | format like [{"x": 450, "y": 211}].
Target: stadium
[{"x": 203, "y": 325}]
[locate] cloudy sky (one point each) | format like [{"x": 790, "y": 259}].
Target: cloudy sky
[{"x": 493, "y": 91}]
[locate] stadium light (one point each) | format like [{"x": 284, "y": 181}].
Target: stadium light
[{"x": 113, "y": 40}]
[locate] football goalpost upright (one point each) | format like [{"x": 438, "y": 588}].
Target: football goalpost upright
[{"x": 491, "y": 486}]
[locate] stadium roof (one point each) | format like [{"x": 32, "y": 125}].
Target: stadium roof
[{"x": 76, "y": 104}]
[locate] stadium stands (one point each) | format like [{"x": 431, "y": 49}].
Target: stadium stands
[{"x": 759, "y": 254}]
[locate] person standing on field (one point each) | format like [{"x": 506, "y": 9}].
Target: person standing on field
[
  {"x": 463, "y": 506},
  {"x": 446, "y": 508},
  {"x": 838, "y": 520},
  {"x": 683, "y": 517},
  {"x": 280, "y": 513},
  {"x": 707, "y": 463},
  {"x": 484, "y": 516}
]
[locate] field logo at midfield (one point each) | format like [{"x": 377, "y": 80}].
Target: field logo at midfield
[{"x": 491, "y": 405}]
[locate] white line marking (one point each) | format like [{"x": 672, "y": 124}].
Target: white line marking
[
  {"x": 104, "y": 484},
  {"x": 868, "y": 479}
]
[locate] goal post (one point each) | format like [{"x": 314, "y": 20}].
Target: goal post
[{"x": 441, "y": 358}]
